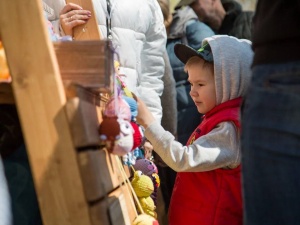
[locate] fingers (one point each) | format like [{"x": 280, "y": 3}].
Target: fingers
[
  {"x": 76, "y": 17},
  {"x": 73, "y": 18},
  {"x": 69, "y": 7}
]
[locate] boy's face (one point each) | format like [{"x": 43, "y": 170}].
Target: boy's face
[{"x": 203, "y": 91}]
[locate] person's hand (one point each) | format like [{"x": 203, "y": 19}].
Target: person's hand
[
  {"x": 144, "y": 117},
  {"x": 148, "y": 149},
  {"x": 71, "y": 16}
]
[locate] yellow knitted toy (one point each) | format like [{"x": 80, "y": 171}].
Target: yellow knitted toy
[
  {"x": 145, "y": 219},
  {"x": 143, "y": 187}
]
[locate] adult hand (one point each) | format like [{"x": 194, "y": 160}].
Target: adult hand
[
  {"x": 144, "y": 117},
  {"x": 71, "y": 16}
]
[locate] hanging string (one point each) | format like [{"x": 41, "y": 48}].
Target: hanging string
[
  {"x": 127, "y": 188},
  {"x": 129, "y": 184}
]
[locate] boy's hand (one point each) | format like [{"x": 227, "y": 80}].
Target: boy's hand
[{"x": 144, "y": 117}]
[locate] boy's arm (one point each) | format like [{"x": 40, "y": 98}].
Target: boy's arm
[{"x": 217, "y": 149}]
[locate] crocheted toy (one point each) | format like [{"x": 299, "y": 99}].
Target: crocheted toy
[
  {"x": 146, "y": 166},
  {"x": 119, "y": 108},
  {"x": 149, "y": 168},
  {"x": 119, "y": 74},
  {"x": 143, "y": 187},
  {"x": 145, "y": 219},
  {"x": 115, "y": 130},
  {"x": 138, "y": 135}
]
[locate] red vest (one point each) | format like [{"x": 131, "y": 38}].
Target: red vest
[{"x": 212, "y": 197}]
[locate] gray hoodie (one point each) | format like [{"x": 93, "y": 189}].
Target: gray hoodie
[{"x": 220, "y": 148}]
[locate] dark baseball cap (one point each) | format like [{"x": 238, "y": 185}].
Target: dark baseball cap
[{"x": 184, "y": 52}]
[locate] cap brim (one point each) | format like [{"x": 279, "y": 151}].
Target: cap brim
[{"x": 184, "y": 52}]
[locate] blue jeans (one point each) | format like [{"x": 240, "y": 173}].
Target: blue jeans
[{"x": 271, "y": 146}]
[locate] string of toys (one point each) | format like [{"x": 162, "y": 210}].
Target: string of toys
[{"x": 124, "y": 137}]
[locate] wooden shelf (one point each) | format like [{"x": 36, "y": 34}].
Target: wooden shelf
[{"x": 87, "y": 63}]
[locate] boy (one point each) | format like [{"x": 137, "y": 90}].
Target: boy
[{"x": 208, "y": 187}]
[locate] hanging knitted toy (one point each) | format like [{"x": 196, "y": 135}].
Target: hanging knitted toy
[
  {"x": 145, "y": 219},
  {"x": 143, "y": 187},
  {"x": 138, "y": 135},
  {"x": 115, "y": 130},
  {"x": 149, "y": 168},
  {"x": 117, "y": 111},
  {"x": 142, "y": 218},
  {"x": 121, "y": 83}
]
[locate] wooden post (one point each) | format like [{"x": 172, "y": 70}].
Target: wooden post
[
  {"x": 90, "y": 30},
  {"x": 40, "y": 100}
]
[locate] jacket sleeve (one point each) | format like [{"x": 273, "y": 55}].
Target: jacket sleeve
[
  {"x": 150, "y": 81},
  {"x": 196, "y": 31},
  {"x": 217, "y": 149}
]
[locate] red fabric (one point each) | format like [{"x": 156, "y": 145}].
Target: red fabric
[
  {"x": 137, "y": 135},
  {"x": 212, "y": 197}
]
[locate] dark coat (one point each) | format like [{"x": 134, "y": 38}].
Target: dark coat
[{"x": 237, "y": 23}]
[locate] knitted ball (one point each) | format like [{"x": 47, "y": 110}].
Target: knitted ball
[
  {"x": 132, "y": 104},
  {"x": 124, "y": 144},
  {"x": 117, "y": 135},
  {"x": 142, "y": 184},
  {"x": 137, "y": 135},
  {"x": 145, "y": 219},
  {"x": 119, "y": 108},
  {"x": 146, "y": 166}
]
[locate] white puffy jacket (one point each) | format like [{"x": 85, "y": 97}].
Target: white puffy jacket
[{"x": 139, "y": 37}]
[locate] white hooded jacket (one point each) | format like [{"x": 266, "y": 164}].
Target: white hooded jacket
[
  {"x": 139, "y": 37},
  {"x": 220, "y": 148}
]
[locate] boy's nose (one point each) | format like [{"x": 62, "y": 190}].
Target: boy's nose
[{"x": 193, "y": 93}]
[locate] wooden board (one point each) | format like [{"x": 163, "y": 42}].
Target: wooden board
[
  {"x": 40, "y": 99},
  {"x": 90, "y": 30},
  {"x": 88, "y": 63},
  {"x": 100, "y": 173},
  {"x": 112, "y": 210}
]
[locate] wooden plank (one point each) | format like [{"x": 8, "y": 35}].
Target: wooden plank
[
  {"x": 88, "y": 63},
  {"x": 90, "y": 30},
  {"x": 100, "y": 173},
  {"x": 111, "y": 211},
  {"x": 40, "y": 100},
  {"x": 84, "y": 114},
  {"x": 84, "y": 123}
]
